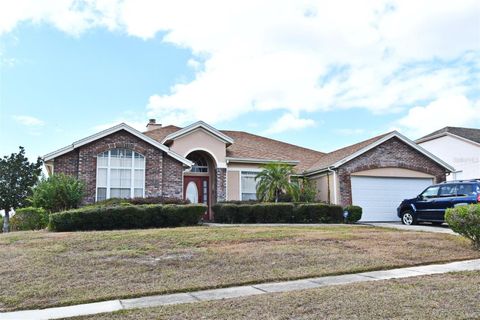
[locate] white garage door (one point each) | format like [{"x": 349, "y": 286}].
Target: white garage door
[{"x": 379, "y": 197}]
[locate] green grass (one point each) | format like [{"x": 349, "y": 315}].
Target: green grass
[
  {"x": 41, "y": 269},
  {"x": 446, "y": 296}
]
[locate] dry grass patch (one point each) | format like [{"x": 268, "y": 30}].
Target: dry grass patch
[
  {"x": 446, "y": 296},
  {"x": 41, "y": 269}
]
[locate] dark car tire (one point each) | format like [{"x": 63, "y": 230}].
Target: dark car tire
[{"x": 408, "y": 218}]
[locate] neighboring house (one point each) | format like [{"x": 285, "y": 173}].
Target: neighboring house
[
  {"x": 459, "y": 147},
  {"x": 207, "y": 165}
]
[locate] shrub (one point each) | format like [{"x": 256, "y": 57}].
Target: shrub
[
  {"x": 1, "y": 224},
  {"x": 58, "y": 192},
  {"x": 465, "y": 220},
  {"x": 319, "y": 213},
  {"x": 137, "y": 201},
  {"x": 354, "y": 213},
  {"x": 29, "y": 218},
  {"x": 126, "y": 217},
  {"x": 277, "y": 213}
]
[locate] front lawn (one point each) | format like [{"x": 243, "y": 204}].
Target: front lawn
[
  {"x": 445, "y": 296},
  {"x": 41, "y": 269}
]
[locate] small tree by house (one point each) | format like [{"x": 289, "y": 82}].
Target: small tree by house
[
  {"x": 58, "y": 192},
  {"x": 17, "y": 177},
  {"x": 274, "y": 180}
]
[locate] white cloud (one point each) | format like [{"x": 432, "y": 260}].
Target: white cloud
[
  {"x": 455, "y": 110},
  {"x": 294, "y": 56},
  {"x": 289, "y": 122},
  {"x": 29, "y": 121}
]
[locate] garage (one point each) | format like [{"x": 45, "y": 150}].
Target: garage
[{"x": 380, "y": 196}]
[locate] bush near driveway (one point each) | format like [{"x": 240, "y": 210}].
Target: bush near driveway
[
  {"x": 29, "y": 218},
  {"x": 277, "y": 213},
  {"x": 354, "y": 213},
  {"x": 465, "y": 220},
  {"x": 126, "y": 217}
]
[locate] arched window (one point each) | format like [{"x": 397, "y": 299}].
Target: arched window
[
  {"x": 200, "y": 163},
  {"x": 120, "y": 174}
]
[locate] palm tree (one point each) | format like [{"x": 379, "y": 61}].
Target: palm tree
[{"x": 274, "y": 180}]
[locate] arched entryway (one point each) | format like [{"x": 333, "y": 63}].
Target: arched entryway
[{"x": 199, "y": 180}]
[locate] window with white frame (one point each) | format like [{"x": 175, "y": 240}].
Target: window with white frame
[
  {"x": 248, "y": 185},
  {"x": 120, "y": 174}
]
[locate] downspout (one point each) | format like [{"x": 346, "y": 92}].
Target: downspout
[{"x": 334, "y": 185}]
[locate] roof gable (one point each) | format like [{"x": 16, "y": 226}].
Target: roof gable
[
  {"x": 109, "y": 131},
  {"x": 195, "y": 126},
  {"x": 338, "y": 157},
  {"x": 471, "y": 134}
]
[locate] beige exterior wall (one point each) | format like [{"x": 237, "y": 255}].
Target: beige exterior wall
[
  {"x": 234, "y": 170},
  {"x": 233, "y": 185},
  {"x": 244, "y": 166},
  {"x": 201, "y": 140},
  {"x": 392, "y": 172},
  {"x": 323, "y": 183}
]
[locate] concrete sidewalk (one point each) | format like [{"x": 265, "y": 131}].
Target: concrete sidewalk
[
  {"x": 235, "y": 292},
  {"x": 417, "y": 227}
]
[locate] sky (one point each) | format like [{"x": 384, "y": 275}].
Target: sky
[{"x": 320, "y": 74}]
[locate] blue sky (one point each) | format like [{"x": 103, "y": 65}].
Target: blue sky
[{"x": 306, "y": 73}]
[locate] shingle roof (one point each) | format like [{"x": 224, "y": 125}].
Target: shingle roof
[
  {"x": 247, "y": 145},
  {"x": 250, "y": 146},
  {"x": 160, "y": 133},
  {"x": 467, "y": 133},
  {"x": 331, "y": 158}
]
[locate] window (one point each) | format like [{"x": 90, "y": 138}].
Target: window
[
  {"x": 249, "y": 185},
  {"x": 120, "y": 174},
  {"x": 431, "y": 192},
  {"x": 447, "y": 190},
  {"x": 200, "y": 163},
  {"x": 464, "y": 190}
]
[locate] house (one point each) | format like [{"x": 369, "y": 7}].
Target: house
[
  {"x": 207, "y": 165},
  {"x": 459, "y": 147}
]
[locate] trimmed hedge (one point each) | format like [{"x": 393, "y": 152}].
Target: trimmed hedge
[
  {"x": 465, "y": 220},
  {"x": 277, "y": 213},
  {"x": 29, "y": 218},
  {"x": 137, "y": 201},
  {"x": 127, "y": 217},
  {"x": 354, "y": 213}
]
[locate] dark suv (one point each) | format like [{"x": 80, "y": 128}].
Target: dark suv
[{"x": 431, "y": 204}]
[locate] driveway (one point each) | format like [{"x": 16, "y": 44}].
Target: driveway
[{"x": 422, "y": 227}]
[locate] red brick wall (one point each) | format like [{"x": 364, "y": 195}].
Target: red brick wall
[
  {"x": 172, "y": 178},
  {"x": 161, "y": 171},
  {"x": 391, "y": 153}
]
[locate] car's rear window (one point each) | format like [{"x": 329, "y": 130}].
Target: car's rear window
[{"x": 466, "y": 189}]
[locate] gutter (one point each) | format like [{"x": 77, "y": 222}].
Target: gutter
[
  {"x": 260, "y": 161},
  {"x": 334, "y": 184}
]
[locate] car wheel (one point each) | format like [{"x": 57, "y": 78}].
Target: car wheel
[{"x": 408, "y": 218}]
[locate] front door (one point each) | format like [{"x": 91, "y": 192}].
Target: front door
[{"x": 196, "y": 191}]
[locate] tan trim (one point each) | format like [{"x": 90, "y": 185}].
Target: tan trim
[{"x": 392, "y": 172}]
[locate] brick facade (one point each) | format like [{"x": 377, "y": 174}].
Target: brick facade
[
  {"x": 393, "y": 153},
  {"x": 172, "y": 178},
  {"x": 163, "y": 174}
]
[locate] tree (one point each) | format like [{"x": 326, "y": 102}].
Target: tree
[
  {"x": 58, "y": 192},
  {"x": 17, "y": 177},
  {"x": 274, "y": 180}
]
